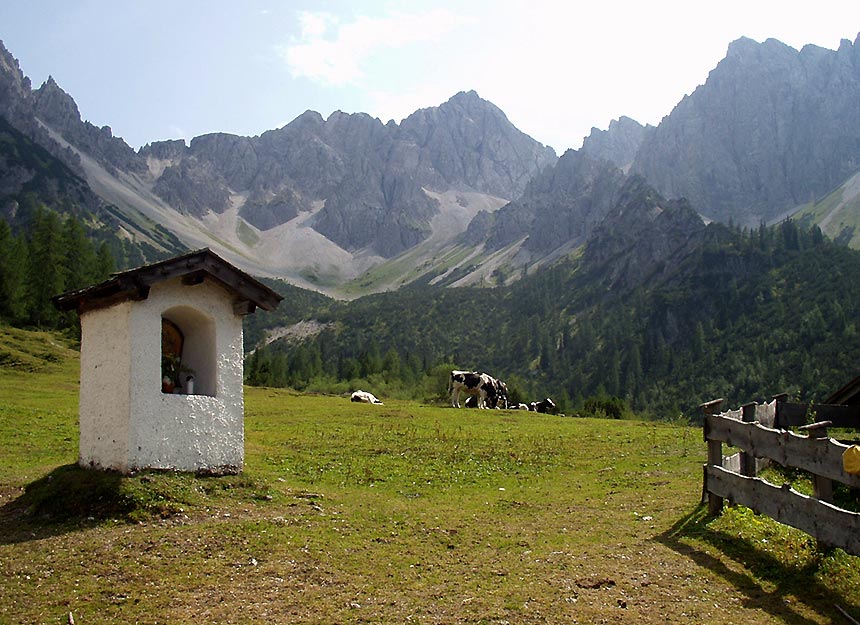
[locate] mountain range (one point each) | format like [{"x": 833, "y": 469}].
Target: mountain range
[{"x": 454, "y": 194}]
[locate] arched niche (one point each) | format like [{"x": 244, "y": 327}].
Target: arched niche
[{"x": 192, "y": 334}]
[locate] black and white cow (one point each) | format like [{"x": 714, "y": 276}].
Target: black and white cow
[
  {"x": 545, "y": 405},
  {"x": 364, "y": 397},
  {"x": 501, "y": 395},
  {"x": 481, "y": 385}
]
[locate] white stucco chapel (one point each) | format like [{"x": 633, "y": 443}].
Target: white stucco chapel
[{"x": 162, "y": 365}]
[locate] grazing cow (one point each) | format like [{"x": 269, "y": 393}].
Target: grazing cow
[
  {"x": 365, "y": 397},
  {"x": 501, "y": 395},
  {"x": 499, "y": 401},
  {"x": 481, "y": 385}
]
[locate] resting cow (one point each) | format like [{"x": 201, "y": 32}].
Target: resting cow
[
  {"x": 365, "y": 397},
  {"x": 545, "y": 405}
]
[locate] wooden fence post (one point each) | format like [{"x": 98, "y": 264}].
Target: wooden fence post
[
  {"x": 778, "y": 421},
  {"x": 748, "y": 467},
  {"x": 715, "y": 457},
  {"x": 822, "y": 487}
]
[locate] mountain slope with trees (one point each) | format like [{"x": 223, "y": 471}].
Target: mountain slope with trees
[
  {"x": 326, "y": 202},
  {"x": 53, "y": 256},
  {"x": 661, "y": 323},
  {"x": 611, "y": 285}
]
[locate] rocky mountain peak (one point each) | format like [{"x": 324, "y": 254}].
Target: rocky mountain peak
[
  {"x": 471, "y": 101},
  {"x": 767, "y": 132},
  {"x": 467, "y": 96},
  {"x": 740, "y": 46},
  {"x": 165, "y": 150},
  {"x": 560, "y": 206},
  {"x": 643, "y": 237},
  {"x": 58, "y": 109},
  {"x": 469, "y": 142},
  {"x": 15, "y": 91},
  {"x": 848, "y": 49},
  {"x": 54, "y": 106},
  {"x": 356, "y": 131},
  {"x": 10, "y": 71},
  {"x": 619, "y": 143},
  {"x": 309, "y": 118}
]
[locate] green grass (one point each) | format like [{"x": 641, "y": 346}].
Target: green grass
[
  {"x": 406, "y": 268},
  {"x": 350, "y": 513},
  {"x": 843, "y": 225},
  {"x": 246, "y": 234}
]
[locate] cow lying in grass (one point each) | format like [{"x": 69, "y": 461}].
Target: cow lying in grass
[
  {"x": 545, "y": 405},
  {"x": 365, "y": 397}
]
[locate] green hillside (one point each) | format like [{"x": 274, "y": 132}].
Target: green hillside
[
  {"x": 746, "y": 315},
  {"x": 837, "y": 214},
  {"x": 34, "y": 182}
]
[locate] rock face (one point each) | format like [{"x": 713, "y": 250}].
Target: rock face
[
  {"x": 560, "y": 206},
  {"x": 619, "y": 143},
  {"x": 772, "y": 128},
  {"x": 28, "y": 171},
  {"x": 643, "y": 237},
  {"x": 365, "y": 186},
  {"x": 17, "y": 106},
  {"x": 369, "y": 178},
  {"x": 469, "y": 142},
  {"x": 15, "y": 92},
  {"x": 57, "y": 109},
  {"x": 35, "y": 169}
]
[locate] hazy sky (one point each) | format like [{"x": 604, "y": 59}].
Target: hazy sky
[{"x": 154, "y": 69}]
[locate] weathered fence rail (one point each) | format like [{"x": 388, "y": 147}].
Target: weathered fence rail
[{"x": 760, "y": 431}]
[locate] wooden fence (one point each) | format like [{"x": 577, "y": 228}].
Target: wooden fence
[{"x": 762, "y": 433}]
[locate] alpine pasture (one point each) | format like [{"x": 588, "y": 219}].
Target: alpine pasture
[{"x": 402, "y": 513}]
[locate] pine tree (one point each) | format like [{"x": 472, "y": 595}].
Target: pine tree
[
  {"x": 633, "y": 373},
  {"x": 80, "y": 257},
  {"x": 370, "y": 360},
  {"x": 13, "y": 275},
  {"x": 47, "y": 275},
  {"x": 391, "y": 365},
  {"x": 104, "y": 262}
]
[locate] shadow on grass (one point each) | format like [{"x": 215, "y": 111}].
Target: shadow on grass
[
  {"x": 799, "y": 582},
  {"x": 62, "y": 501},
  {"x": 70, "y": 498}
]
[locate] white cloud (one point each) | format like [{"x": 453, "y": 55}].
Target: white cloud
[
  {"x": 333, "y": 52},
  {"x": 315, "y": 25}
]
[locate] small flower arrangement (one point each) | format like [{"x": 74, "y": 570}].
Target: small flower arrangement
[{"x": 171, "y": 372}]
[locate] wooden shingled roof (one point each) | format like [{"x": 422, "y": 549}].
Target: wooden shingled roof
[
  {"x": 193, "y": 268},
  {"x": 848, "y": 395}
]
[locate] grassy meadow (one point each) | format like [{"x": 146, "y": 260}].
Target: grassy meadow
[{"x": 402, "y": 513}]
